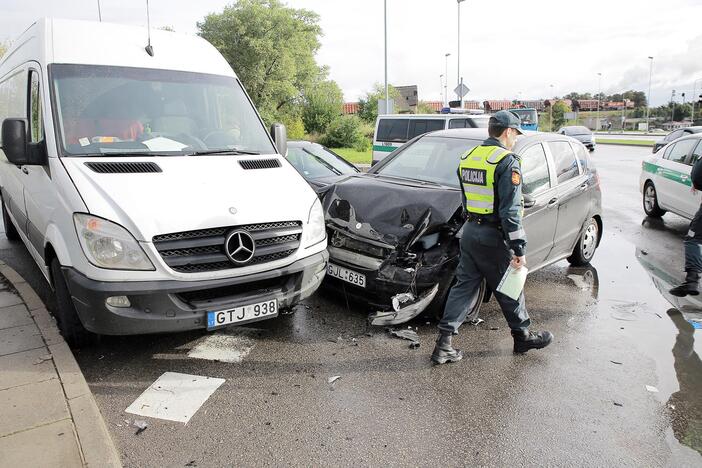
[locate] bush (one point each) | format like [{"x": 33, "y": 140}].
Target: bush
[
  {"x": 295, "y": 128},
  {"x": 362, "y": 145},
  {"x": 344, "y": 132}
]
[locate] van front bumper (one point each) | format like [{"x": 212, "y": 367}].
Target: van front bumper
[{"x": 172, "y": 306}]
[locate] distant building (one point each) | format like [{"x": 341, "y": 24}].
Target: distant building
[
  {"x": 350, "y": 108},
  {"x": 409, "y": 99},
  {"x": 537, "y": 104},
  {"x": 494, "y": 106},
  {"x": 436, "y": 106}
]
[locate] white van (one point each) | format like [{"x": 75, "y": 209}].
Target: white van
[
  {"x": 393, "y": 131},
  {"x": 145, "y": 185}
]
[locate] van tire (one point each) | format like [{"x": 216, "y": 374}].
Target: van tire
[
  {"x": 10, "y": 229},
  {"x": 69, "y": 323},
  {"x": 650, "y": 201},
  {"x": 587, "y": 244}
]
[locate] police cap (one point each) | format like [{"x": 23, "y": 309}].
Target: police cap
[{"x": 506, "y": 119}]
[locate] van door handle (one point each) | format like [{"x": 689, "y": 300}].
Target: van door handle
[
  {"x": 583, "y": 187},
  {"x": 25, "y": 170},
  {"x": 553, "y": 202}
]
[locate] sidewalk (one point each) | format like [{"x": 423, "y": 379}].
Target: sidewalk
[{"x": 49, "y": 417}]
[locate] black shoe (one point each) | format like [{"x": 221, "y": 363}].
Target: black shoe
[
  {"x": 444, "y": 351},
  {"x": 526, "y": 340},
  {"x": 689, "y": 286}
]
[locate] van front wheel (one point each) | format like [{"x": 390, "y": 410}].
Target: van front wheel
[{"x": 67, "y": 318}]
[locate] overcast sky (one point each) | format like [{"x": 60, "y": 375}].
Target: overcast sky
[{"x": 509, "y": 49}]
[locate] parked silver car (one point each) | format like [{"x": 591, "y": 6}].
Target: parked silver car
[
  {"x": 394, "y": 232},
  {"x": 582, "y": 134}
]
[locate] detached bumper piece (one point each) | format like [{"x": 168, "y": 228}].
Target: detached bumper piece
[{"x": 404, "y": 313}]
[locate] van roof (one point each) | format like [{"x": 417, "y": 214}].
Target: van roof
[
  {"x": 434, "y": 116},
  {"x": 53, "y": 40}
]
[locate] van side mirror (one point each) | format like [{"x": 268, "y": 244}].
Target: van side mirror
[
  {"x": 17, "y": 148},
  {"x": 529, "y": 201},
  {"x": 14, "y": 140},
  {"x": 280, "y": 137}
]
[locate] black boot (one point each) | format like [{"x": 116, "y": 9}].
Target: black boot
[
  {"x": 444, "y": 351},
  {"x": 689, "y": 287},
  {"x": 526, "y": 340}
]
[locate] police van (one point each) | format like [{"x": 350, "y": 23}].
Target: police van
[
  {"x": 393, "y": 131},
  {"x": 666, "y": 182},
  {"x": 137, "y": 172}
]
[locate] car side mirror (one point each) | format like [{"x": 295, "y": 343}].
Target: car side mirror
[
  {"x": 529, "y": 201},
  {"x": 17, "y": 148},
  {"x": 14, "y": 140},
  {"x": 280, "y": 138}
]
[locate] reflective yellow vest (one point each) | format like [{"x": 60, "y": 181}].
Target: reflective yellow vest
[{"x": 477, "y": 172}]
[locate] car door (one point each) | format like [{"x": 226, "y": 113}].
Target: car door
[
  {"x": 691, "y": 200},
  {"x": 573, "y": 199},
  {"x": 673, "y": 176},
  {"x": 540, "y": 203},
  {"x": 13, "y": 104}
]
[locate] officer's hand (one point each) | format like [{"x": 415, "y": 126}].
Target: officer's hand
[
  {"x": 518, "y": 262},
  {"x": 693, "y": 190}
]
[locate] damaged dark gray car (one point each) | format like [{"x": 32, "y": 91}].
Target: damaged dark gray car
[{"x": 394, "y": 232}]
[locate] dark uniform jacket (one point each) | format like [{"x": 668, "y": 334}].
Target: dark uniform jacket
[{"x": 508, "y": 199}]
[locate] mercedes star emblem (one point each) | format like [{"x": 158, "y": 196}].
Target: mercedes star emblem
[{"x": 240, "y": 247}]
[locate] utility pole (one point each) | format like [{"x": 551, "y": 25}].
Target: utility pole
[
  {"x": 99, "y": 11},
  {"x": 458, "y": 72},
  {"x": 441, "y": 90},
  {"x": 446, "y": 56},
  {"x": 387, "y": 94},
  {"x": 672, "y": 109},
  {"x": 648, "y": 101}
]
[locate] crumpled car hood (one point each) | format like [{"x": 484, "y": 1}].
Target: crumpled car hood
[{"x": 388, "y": 210}]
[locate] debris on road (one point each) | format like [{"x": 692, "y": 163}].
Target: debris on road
[
  {"x": 616, "y": 362},
  {"x": 232, "y": 346},
  {"x": 407, "y": 334},
  {"x": 617, "y": 403},
  {"x": 651, "y": 389},
  {"x": 476, "y": 321},
  {"x": 404, "y": 314},
  {"x": 141, "y": 426},
  {"x": 333, "y": 379}
]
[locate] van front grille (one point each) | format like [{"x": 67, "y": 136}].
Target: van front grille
[{"x": 204, "y": 250}]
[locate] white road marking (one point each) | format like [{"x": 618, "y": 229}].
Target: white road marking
[
  {"x": 229, "y": 347},
  {"x": 175, "y": 397}
]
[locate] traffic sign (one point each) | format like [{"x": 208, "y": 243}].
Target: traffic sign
[{"x": 461, "y": 90}]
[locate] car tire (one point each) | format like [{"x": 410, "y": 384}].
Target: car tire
[
  {"x": 10, "y": 229},
  {"x": 650, "y": 201},
  {"x": 67, "y": 319},
  {"x": 435, "y": 310},
  {"x": 586, "y": 245}
]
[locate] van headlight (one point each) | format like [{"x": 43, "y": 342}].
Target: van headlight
[
  {"x": 109, "y": 245},
  {"x": 314, "y": 231}
]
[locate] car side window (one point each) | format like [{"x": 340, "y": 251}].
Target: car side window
[
  {"x": 535, "y": 172},
  {"x": 696, "y": 153},
  {"x": 564, "y": 157},
  {"x": 36, "y": 126},
  {"x": 582, "y": 154},
  {"x": 393, "y": 130},
  {"x": 458, "y": 123},
  {"x": 419, "y": 127},
  {"x": 679, "y": 151},
  {"x": 674, "y": 135}
]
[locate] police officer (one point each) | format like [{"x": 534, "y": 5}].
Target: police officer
[
  {"x": 492, "y": 239},
  {"x": 693, "y": 244}
]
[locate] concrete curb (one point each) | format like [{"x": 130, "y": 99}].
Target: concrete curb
[
  {"x": 605, "y": 142},
  {"x": 94, "y": 439}
]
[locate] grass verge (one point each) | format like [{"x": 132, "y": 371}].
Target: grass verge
[
  {"x": 610, "y": 141},
  {"x": 353, "y": 156}
]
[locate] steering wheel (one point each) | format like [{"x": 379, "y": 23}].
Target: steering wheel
[{"x": 224, "y": 134}]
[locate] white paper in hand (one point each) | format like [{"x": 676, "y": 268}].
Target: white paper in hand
[{"x": 512, "y": 283}]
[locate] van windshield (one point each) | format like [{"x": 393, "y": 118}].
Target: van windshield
[{"x": 105, "y": 110}]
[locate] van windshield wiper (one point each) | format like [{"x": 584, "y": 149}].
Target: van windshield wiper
[
  {"x": 123, "y": 154},
  {"x": 222, "y": 151}
]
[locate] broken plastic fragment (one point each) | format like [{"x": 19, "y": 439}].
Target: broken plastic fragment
[
  {"x": 651, "y": 388},
  {"x": 399, "y": 299},
  {"x": 410, "y": 335},
  {"x": 404, "y": 314},
  {"x": 141, "y": 425},
  {"x": 333, "y": 379},
  {"x": 476, "y": 321}
]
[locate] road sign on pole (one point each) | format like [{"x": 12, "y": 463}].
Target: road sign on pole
[{"x": 461, "y": 90}]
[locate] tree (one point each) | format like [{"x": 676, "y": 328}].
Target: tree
[
  {"x": 425, "y": 108},
  {"x": 368, "y": 105},
  {"x": 323, "y": 103},
  {"x": 559, "y": 110},
  {"x": 271, "y": 48},
  {"x": 344, "y": 132}
]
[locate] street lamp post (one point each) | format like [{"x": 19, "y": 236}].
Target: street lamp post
[
  {"x": 387, "y": 94},
  {"x": 446, "y": 56},
  {"x": 672, "y": 109},
  {"x": 458, "y": 72},
  {"x": 648, "y": 101},
  {"x": 441, "y": 90},
  {"x": 599, "y": 92},
  {"x": 99, "y": 11}
]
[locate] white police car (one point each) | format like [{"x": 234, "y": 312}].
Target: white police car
[{"x": 665, "y": 180}]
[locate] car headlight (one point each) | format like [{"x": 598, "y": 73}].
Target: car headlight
[
  {"x": 314, "y": 231},
  {"x": 109, "y": 245}
]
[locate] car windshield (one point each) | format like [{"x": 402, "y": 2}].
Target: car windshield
[
  {"x": 430, "y": 159},
  {"x": 578, "y": 131},
  {"x": 105, "y": 110},
  {"x": 528, "y": 116},
  {"x": 313, "y": 162}
]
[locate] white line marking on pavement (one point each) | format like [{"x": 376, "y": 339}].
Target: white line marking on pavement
[
  {"x": 175, "y": 397},
  {"x": 223, "y": 347}
]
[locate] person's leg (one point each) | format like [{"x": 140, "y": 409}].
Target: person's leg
[
  {"x": 693, "y": 259},
  {"x": 461, "y": 295}
]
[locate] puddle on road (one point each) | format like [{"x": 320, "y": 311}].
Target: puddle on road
[{"x": 633, "y": 290}]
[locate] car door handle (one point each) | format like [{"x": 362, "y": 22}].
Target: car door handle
[
  {"x": 25, "y": 170},
  {"x": 553, "y": 202},
  {"x": 583, "y": 187}
]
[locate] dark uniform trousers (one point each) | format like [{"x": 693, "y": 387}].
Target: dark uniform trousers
[
  {"x": 693, "y": 244},
  {"x": 484, "y": 254}
]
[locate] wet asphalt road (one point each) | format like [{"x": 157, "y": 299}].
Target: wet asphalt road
[{"x": 583, "y": 401}]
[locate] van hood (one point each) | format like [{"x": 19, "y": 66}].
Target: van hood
[
  {"x": 191, "y": 192},
  {"x": 388, "y": 210}
]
